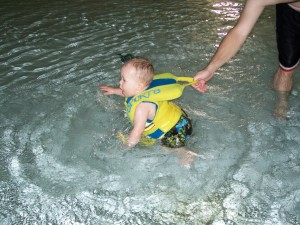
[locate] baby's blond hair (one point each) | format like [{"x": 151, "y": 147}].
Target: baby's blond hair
[{"x": 144, "y": 68}]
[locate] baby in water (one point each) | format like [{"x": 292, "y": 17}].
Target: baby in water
[{"x": 148, "y": 105}]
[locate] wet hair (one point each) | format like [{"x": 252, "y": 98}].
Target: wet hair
[{"x": 144, "y": 68}]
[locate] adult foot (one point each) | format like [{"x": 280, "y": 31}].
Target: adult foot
[{"x": 281, "y": 107}]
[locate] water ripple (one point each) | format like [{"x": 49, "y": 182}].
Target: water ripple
[{"x": 60, "y": 160}]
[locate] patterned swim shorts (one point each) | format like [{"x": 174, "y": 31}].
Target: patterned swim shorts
[{"x": 177, "y": 136}]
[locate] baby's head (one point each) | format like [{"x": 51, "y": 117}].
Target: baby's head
[
  {"x": 141, "y": 69},
  {"x": 136, "y": 75}
]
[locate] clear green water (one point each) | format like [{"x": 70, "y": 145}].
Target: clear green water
[{"x": 60, "y": 162}]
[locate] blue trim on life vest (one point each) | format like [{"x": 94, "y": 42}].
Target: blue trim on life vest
[
  {"x": 156, "y": 134},
  {"x": 155, "y": 83},
  {"x": 128, "y": 99},
  {"x": 161, "y": 82}
]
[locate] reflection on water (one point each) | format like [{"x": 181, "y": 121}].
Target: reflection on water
[
  {"x": 227, "y": 10},
  {"x": 60, "y": 160}
]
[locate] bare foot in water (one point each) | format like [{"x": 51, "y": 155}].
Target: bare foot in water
[
  {"x": 283, "y": 83},
  {"x": 185, "y": 155},
  {"x": 282, "y": 105}
]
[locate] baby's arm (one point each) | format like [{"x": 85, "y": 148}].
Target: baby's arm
[
  {"x": 139, "y": 122},
  {"x": 107, "y": 90}
]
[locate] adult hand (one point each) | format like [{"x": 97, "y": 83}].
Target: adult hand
[
  {"x": 200, "y": 86},
  {"x": 204, "y": 75},
  {"x": 201, "y": 77}
]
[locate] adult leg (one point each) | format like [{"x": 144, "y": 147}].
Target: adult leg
[
  {"x": 283, "y": 80},
  {"x": 288, "y": 44}
]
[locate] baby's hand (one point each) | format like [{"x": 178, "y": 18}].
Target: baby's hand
[{"x": 107, "y": 90}]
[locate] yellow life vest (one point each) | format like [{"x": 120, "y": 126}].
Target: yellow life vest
[{"x": 164, "y": 87}]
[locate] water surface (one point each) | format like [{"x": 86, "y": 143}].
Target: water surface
[{"x": 60, "y": 160}]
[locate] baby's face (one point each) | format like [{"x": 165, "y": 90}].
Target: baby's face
[{"x": 129, "y": 83}]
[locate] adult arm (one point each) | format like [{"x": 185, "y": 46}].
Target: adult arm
[{"x": 235, "y": 38}]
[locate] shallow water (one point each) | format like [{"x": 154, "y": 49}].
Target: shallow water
[{"x": 60, "y": 160}]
